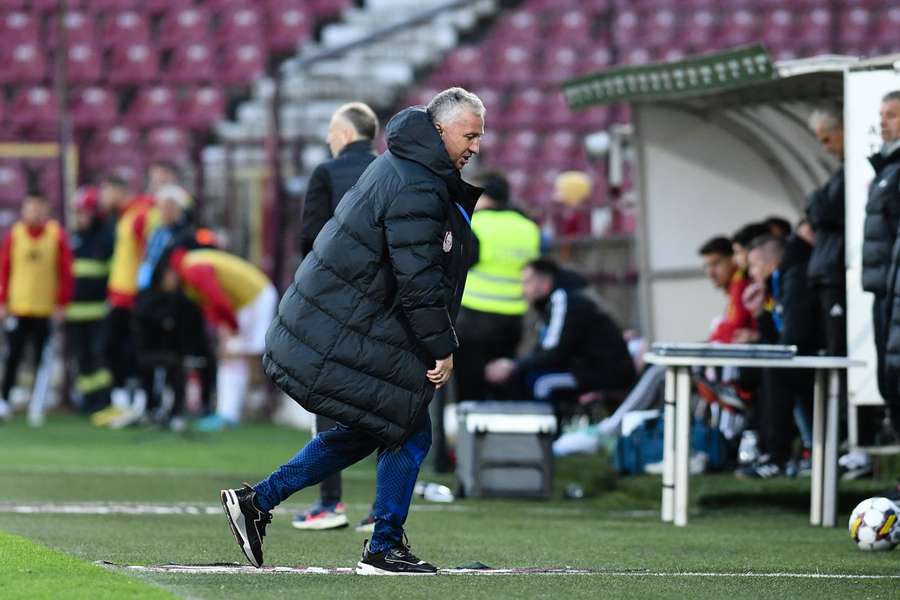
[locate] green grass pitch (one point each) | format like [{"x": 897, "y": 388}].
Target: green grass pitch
[{"x": 736, "y": 528}]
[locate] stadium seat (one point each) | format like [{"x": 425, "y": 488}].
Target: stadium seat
[
  {"x": 329, "y": 8},
  {"x": 594, "y": 60},
  {"x": 242, "y": 64},
  {"x": 158, "y": 7},
  {"x": 48, "y": 182},
  {"x": 661, "y": 30},
  {"x": 739, "y": 27},
  {"x": 558, "y": 149},
  {"x": 34, "y": 111},
  {"x": 573, "y": 26},
  {"x": 125, "y": 27},
  {"x": 814, "y": 27},
  {"x": 519, "y": 26},
  {"x": 887, "y": 27},
  {"x": 778, "y": 27},
  {"x": 83, "y": 63},
  {"x": 524, "y": 108},
  {"x": 168, "y": 143},
  {"x": 7, "y": 6},
  {"x": 153, "y": 105},
  {"x": 699, "y": 31},
  {"x": 626, "y": 28},
  {"x": 93, "y": 106},
  {"x": 464, "y": 65},
  {"x": 191, "y": 63},
  {"x": 134, "y": 64},
  {"x": 19, "y": 28},
  {"x": 520, "y": 148},
  {"x": 240, "y": 25},
  {"x": 80, "y": 29},
  {"x": 184, "y": 25},
  {"x": 854, "y": 26},
  {"x": 23, "y": 63},
  {"x": 201, "y": 108},
  {"x": 558, "y": 64},
  {"x": 111, "y": 6},
  {"x": 556, "y": 112},
  {"x": 109, "y": 144},
  {"x": 13, "y": 184},
  {"x": 514, "y": 64},
  {"x": 289, "y": 25}
]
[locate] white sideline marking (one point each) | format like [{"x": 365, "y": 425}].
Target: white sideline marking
[
  {"x": 145, "y": 508},
  {"x": 248, "y": 570}
]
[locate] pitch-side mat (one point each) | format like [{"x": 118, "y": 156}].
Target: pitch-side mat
[
  {"x": 237, "y": 569},
  {"x": 149, "y": 508}
]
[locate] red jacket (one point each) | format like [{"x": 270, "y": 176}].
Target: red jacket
[{"x": 736, "y": 314}]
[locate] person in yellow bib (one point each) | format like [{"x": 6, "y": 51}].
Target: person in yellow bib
[
  {"x": 490, "y": 321},
  {"x": 240, "y": 301},
  {"x": 136, "y": 219},
  {"x": 35, "y": 286}
]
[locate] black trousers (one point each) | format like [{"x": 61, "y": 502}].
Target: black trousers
[
  {"x": 120, "y": 345},
  {"x": 483, "y": 337},
  {"x": 330, "y": 488},
  {"x": 85, "y": 341},
  {"x": 782, "y": 389},
  {"x": 880, "y": 315},
  {"x": 20, "y": 333}
]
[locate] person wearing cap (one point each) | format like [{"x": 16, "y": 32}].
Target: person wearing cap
[
  {"x": 92, "y": 246},
  {"x": 490, "y": 320},
  {"x": 35, "y": 286},
  {"x": 571, "y": 190}
]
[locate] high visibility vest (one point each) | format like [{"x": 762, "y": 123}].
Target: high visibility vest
[
  {"x": 34, "y": 271},
  {"x": 507, "y": 241},
  {"x": 240, "y": 280},
  {"x": 129, "y": 251}
]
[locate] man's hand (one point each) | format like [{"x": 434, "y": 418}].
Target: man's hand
[
  {"x": 441, "y": 371},
  {"x": 500, "y": 370},
  {"x": 753, "y": 298}
]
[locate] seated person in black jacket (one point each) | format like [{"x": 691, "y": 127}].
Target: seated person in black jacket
[
  {"x": 580, "y": 347},
  {"x": 786, "y": 314}
]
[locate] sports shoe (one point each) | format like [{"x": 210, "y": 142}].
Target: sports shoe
[
  {"x": 5, "y": 410},
  {"x": 213, "y": 424},
  {"x": 762, "y": 469},
  {"x": 321, "y": 517},
  {"x": 396, "y": 561},
  {"x": 367, "y": 525},
  {"x": 248, "y": 523}
]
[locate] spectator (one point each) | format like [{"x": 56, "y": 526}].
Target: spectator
[
  {"x": 580, "y": 349},
  {"x": 786, "y": 316},
  {"x": 350, "y": 133},
  {"x": 741, "y": 240},
  {"x": 490, "y": 320},
  {"x": 718, "y": 262},
  {"x": 880, "y": 234},
  {"x": 35, "y": 285},
  {"x": 240, "y": 301},
  {"x": 161, "y": 173},
  {"x": 92, "y": 245},
  {"x": 174, "y": 229}
]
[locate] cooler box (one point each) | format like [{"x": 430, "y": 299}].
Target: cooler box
[{"x": 504, "y": 449}]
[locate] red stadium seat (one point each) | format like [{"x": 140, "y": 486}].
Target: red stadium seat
[
  {"x": 242, "y": 65},
  {"x": 134, "y": 64},
  {"x": 887, "y": 27},
  {"x": 23, "y": 63},
  {"x": 778, "y": 27},
  {"x": 739, "y": 27},
  {"x": 158, "y": 7},
  {"x": 514, "y": 64},
  {"x": 80, "y": 29},
  {"x": 202, "y": 108},
  {"x": 116, "y": 142},
  {"x": 464, "y": 65},
  {"x": 7, "y": 6},
  {"x": 153, "y": 105},
  {"x": 83, "y": 63},
  {"x": 13, "y": 184},
  {"x": 573, "y": 26},
  {"x": 93, "y": 106},
  {"x": 814, "y": 27},
  {"x": 525, "y": 109},
  {"x": 558, "y": 64},
  {"x": 626, "y": 28},
  {"x": 168, "y": 143},
  {"x": 184, "y": 25},
  {"x": 125, "y": 27},
  {"x": 19, "y": 28},
  {"x": 557, "y": 113},
  {"x": 329, "y": 8},
  {"x": 192, "y": 63},
  {"x": 521, "y": 25},
  {"x": 855, "y": 26},
  {"x": 34, "y": 111},
  {"x": 594, "y": 60},
  {"x": 699, "y": 31},
  {"x": 111, "y": 6},
  {"x": 558, "y": 149},
  {"x": 289, "y": 25},
  {"x": 241, "y": 25}
]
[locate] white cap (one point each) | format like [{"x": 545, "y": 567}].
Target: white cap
[{"x": 175, "y": 193}]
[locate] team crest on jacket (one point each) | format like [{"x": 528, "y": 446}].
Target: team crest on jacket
[{"x": 448, "y": 241}]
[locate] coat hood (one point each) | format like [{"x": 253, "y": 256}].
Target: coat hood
[{"x": 411, "y": 135}]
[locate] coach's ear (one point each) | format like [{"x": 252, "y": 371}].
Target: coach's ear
[{"x": 440, "y": 129}]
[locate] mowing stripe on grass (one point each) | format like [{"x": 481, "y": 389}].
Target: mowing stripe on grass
[
  {"x": 144, "y": 508},
  {"x": 236, "y": 569}
]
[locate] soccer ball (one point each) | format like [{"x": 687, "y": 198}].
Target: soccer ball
[{"x": 873, "y": 524}]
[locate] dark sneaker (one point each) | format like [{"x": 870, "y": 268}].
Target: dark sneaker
[
  {"x": 367, "y": 525},
  {"x": 321, "y": 517},
  {"x": 248, "y": 523},
  {"x": 396, "y": 561},
  {"x": 759, "y": 470},
  {"x": 894, "y": 493}
]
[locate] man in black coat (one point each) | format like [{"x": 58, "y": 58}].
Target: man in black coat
[
  {"x": 365, "y": 332},
  {"x": 879, "y": 236},
  {"x": 350, "y": 133},
  {"x": 787, "y": 316},
  {"x": 581, "y": 349}
]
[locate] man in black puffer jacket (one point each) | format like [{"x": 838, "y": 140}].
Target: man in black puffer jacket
[
  {"x": 365, "y": 332},
  {"x": 879, "y": 236}
]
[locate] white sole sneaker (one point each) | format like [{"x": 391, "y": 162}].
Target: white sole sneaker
[
  {"x": 367, "y": 569},
  {"x": 237, "y": 523},
  {"x": 332, "y": 521}
]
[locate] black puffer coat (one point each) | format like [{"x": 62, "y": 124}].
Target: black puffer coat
[
  {"x": 825, "y": 211},
  {"x": 882, "y": 220},
  {"x": 373, "y": 305}
]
